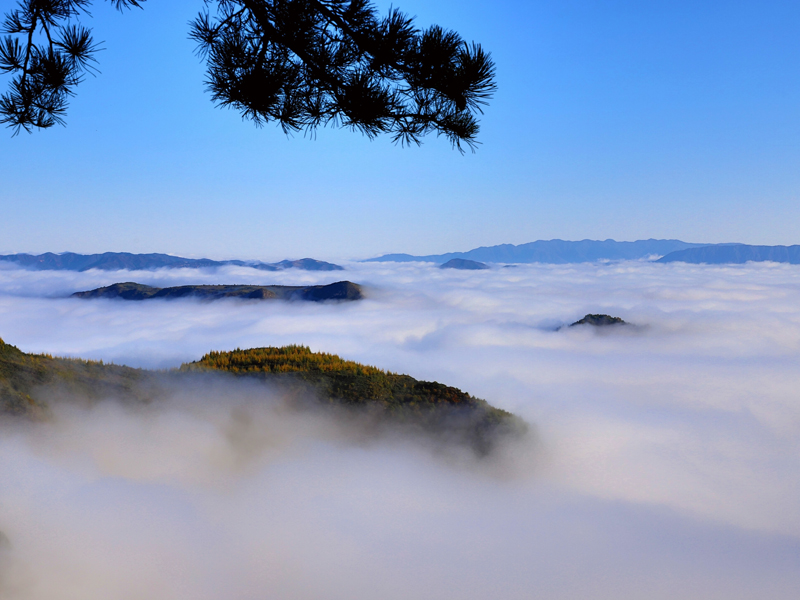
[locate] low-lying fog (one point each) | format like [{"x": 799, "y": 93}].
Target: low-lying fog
[{"x": 667, "y": 463}]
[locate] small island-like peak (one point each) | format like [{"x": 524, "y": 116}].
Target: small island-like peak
[
  {"x": 463, "y": 263},
  {"x": 598, "y": 320}
]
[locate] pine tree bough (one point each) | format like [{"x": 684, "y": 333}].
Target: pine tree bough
[{"x": 300, "y": 63}]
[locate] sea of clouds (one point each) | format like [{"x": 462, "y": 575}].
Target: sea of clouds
[{"x": 665, "y": 461}]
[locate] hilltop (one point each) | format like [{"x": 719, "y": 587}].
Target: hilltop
[
  {"x": 597, "y": 320},
  {"x": 431, "y": 405},
  {"x": 29, "y": 383}
]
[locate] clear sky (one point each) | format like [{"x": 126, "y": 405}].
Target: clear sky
[{"x": 613, "y": 119}]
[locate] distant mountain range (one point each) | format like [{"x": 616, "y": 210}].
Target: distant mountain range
[
  {"x": 566, "y": 252},
  {"x": 734, "y": 254},
  {"x": 115, "y": 261},
  {"x": 542, "y": 251},
  {"x": 341, "y": 290},
  {"x": 554, "y": 252}
]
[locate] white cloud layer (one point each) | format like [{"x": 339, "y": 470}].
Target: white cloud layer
[{"x": 668, "y": 464}]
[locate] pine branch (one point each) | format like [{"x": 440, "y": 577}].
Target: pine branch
[
  {"x": 57, "y": 54},
  {"x": 300, "y": 63}
]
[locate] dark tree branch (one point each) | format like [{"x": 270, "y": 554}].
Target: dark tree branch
[
  {"x": 300, "y": 63},
  {"x": 57, "y": 53}
]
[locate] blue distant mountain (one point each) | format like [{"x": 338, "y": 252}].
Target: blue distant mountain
[
  {"x": 114, "y": 261},
  {"x": 555, "y": 252},
  {"x": 734, "y": 254},
  {"x": 464, "y": 264}
]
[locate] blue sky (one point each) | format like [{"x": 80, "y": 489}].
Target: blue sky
[{"x": 621, "y": 120}]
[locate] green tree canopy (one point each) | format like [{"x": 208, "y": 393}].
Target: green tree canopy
[{"x": 300, "y": 63}]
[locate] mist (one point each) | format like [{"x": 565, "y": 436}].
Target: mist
[{"x": 666, "y": 462}]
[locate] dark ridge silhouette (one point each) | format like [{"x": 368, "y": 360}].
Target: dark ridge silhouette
[
  {"x": 341, "y": 290},
  {"x": 554, "y": 252},
  {"x": 462, "y": 263},
  {"x": 599, "y": 321},
  {"x": 29, "y": 383},
  {"x": 734, "y": 254},
  {"x": 115, "y": 261}
]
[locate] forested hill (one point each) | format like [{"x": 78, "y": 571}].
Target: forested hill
[
  {"x": 554, "y": 252},
  {"x": 30, "y": 383},
  {"x": 430, "y": 405},
  {"x": 26, "y": 379},
  {"x": 345, "y": 380},
  {"x": 341, "y": 290},
  {"x": 115, "y": 261}
]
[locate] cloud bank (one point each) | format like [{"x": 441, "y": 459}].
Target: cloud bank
[{"x": 668, "y": 462}]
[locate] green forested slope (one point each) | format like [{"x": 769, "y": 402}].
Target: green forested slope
[
  {"x": 28, "y": 382},
  {"x": 431, "y": 405},
  {"x": 25, "y": 377}
]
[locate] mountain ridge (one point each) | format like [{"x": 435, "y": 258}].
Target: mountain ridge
[
  {"x": 734, "y": 254},
  {"x": 554, "y": 251},
  {"x": 340, "y": 290},
  {"x": 568, "y": 252},
  {"x": 114, "y": 261}
]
